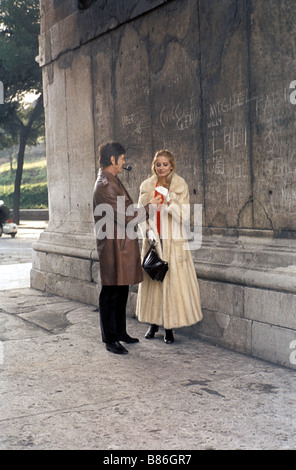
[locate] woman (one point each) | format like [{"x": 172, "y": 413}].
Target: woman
[{"x": 175, "y": 302}]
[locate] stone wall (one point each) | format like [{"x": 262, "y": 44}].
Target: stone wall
[{"x": 210, "y": 81}]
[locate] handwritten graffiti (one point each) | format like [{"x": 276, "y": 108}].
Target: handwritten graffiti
[{"x": 182, "y": 116}]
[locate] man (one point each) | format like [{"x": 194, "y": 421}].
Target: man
[{"x": 119, "y": 255}]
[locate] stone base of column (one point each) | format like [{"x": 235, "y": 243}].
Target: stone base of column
[
  {"x": 247, "y": 284},
  {"x": 248, "y": 292}
]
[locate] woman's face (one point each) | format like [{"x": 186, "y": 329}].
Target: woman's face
[{"x": 162, "y": 166}]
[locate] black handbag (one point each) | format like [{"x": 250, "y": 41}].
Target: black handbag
[{"x": 153, "y": 265}]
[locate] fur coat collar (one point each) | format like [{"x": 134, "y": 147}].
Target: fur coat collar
[{"x": 177, "y": 185}]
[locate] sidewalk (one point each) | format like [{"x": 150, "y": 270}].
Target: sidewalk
[
  {"x": 60, "y": 388},
  {"x": 16, "y": 255},
  {"x": 14, "y": 276}
]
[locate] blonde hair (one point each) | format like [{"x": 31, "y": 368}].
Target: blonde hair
[{"x": 171, "y": 159}]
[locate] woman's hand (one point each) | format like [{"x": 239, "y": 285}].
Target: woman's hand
[{"x": 156, "y": 200}]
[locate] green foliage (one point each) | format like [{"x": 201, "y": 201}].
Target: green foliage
[
  {"x": 33, "y": 196},
  {"x": 21, "y": 75},
  {"x": 33, "y": 172},
  {"x": 34, "y": 192},
  {"x": 19, "y": 32},
  {"x": 19, "y": 71}
]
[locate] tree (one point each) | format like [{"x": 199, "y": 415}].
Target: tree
[{"x": 21, "y": 75}]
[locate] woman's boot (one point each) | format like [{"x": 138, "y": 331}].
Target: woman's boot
[
  {"x": 151, "y": 331},
  {"x": 168, "y": 336}
]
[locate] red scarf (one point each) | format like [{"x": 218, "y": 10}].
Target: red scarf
[{"x": 158, "y": 210}]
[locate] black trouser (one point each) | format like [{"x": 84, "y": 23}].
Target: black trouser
[{"x": 112, "y": 307}]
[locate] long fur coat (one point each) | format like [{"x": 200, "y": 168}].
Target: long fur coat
[{"x": 176, "y": 301}]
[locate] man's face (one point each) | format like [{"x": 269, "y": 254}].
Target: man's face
[{"x": 120, "y": 163}]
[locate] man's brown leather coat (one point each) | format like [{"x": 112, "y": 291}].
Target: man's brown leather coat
[{"x": 119, "y": 255}]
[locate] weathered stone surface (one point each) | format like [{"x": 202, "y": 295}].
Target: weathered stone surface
[
  {"x": 272, "y": 61},
  {"x": 232, "y": 295},
  {"x": 273, "y": 308},
  {"x": 71, "y": 142},
  {"x": 64, "y": 265},
  {"x": 69, "y": 287},
  {"x": 274, "y": 344},
  {"x": 209, "y": 80},
  {"x": 195, "y": 77},
  {"x": 227, "y": 330},
  {"x": 226, "y": 138}
]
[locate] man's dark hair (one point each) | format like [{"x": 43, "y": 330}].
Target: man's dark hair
[{"x": 108, "y": 150}]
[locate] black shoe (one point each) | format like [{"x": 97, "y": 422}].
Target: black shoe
[
  {"x": 151, "y": 331},
  {"x": 168, "y": 336},
  {"x": 116, "y": 348},
  {"x": 127, "y": 339}
]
